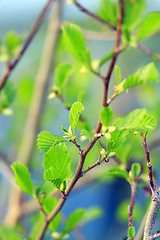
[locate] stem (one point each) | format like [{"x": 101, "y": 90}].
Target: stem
[
  {"x": 148, "y": 51},
  {"x": 82, "y": 9},
  {"x": 11, "y": 66},
  {"x": 130, "y": 208}
]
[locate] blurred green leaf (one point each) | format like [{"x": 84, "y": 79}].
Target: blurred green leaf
[
  {"x": 22, "y": 176},
  {"x": 75, "y": 44},
  {"x": 137, "y": 120},
  {"x": 62, "y": 72},
  {"x": 131, "y": 233},
  {"x": 8, "y": 233},
  {"x": 45, "y": 140},
  {"x": 117, "y": 172},
  {"x": 74, "y": 115},
  {"x": 7, "y": 95},
  {"x": 135, "y": 169},
  {"x": 106, "y": 116},
  {"x": 57, "y": 164},
  {"x": 132, "y": 13},
  {"x": 149, "y": 26},
  {"x": 106, "y": 57},
  {"x": 93, "y": 213},
  {"x": 73, "y": 220},
  {"x": 108, "y": 12},
  {"x": 117, "y": 74},
  {"x": 12, "y": 41}
]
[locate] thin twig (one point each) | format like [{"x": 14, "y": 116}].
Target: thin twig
[
  {"x": 148, "y": 52},
  {"x": 130, "y": 208},
  {"x": 82, "y": 9},
  {"x": 11, "y": 66}
]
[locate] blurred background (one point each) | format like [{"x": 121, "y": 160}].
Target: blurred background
[{"x": 96, "y": 189}]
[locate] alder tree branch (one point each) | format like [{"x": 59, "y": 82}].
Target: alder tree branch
[
  {"x": 96, "y": 136},
  {"x": 131, "y": 206},
  {"x": 84, "y": 10},
  {"x": 148, "y": 51},
  {"x": 37, "y": 24}
]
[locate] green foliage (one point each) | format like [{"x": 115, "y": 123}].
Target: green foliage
[
  {"x": 7, "y": 95},
  {"x": 57, "y": 165},
  {"x": 118, "y": 137},
  {"x": 106, "y": 57},
  {"x": 73, "y": 220},
  {"x": 12, "y": 41},
  {"x": 131, "y": 232},
  {"x": 89, "y": 136},
  {"x": 74, "y": 115},
  {"x": 106, "y": 116},
  {"x": 117, "y": 172},
  {"x": 137, "y": 120},
  {"x": 9, "y": 233},
  {"x": 146, "y": 74},
  {"x": 149, "y": 26},
  {"x": 49, "y": 204},
  {"x": 117, "y": 74},
  {"x": 135, "y": 170},
  {"x": 132, "y": 13},
  {"x": 108, "y": 12},
  {"x": 62, "y": 72},
  {"x": 22, "y": 177},
  {"x": 46, "y": 140},
  {"x": 93, "y": 213},
  {"x": 75, "y": 44}
]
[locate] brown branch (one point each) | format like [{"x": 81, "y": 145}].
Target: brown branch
[
  {"x": 148, "y": 51},
  {"x": 11, "y": 66},
  {"x": 84, "y": 10},
  {"x": 130, "y": 208},
  {"x": 149, "y": 165}
]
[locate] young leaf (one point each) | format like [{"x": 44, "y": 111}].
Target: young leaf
[
  {"x": 106, "y": 57},
  {"x": 49, "y": 204},
  {"x": 74, "y": 115},
  {"x": 75, "y": 44},
  {"x": 89, "y": 136},
  {"x": 137, "y": 120},
  {"x": 73, "y": 220},
  {"x": 12, "y": 41},
  {"x": 132, "y": 13},
  {"x": 62, "y": 72},
  {"x": 22, "y": 176},
  {"x": 118, "y": 137},
  {"x": 108, "y": 12},
  {"x": 149, "y": 26},
  {"x": 136, "y": 169},
  {"x": 131, "y": 233},
  {"x": 146, "y": 74},
  {"x": 106, "y": 116},
  {"x": 45, "y": 140},
  {"x": 57, "y": 164},
  {"x": 117, "y": 172},
  {"x": 117, "y": 74},
  {"x": 7, "y": 94}
]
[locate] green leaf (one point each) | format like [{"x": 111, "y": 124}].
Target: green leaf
[
  {"x": 75, "y": 44},
  {"x": 74, "y": 115},
  {"x": 117, "y": 172},
  {"x": 106, "y": 57},
  {"x": 146, "y": 74},
  {"x": 118, "y": 137},
  {"x": 135, "y": 169},
  {"x": 8, "y": 233},
  {"x": 137, "y": 120},
  {"x": 117, "y": 74},
  {"x": 22, "y": 176},
  {"x": 45, "y": 140},
  {"x": 93, "y": 213},
  {"x": 57, "y": 164},
  {"x": 106, "y": 116},
  {"x": 62, "y": 72},
  {"x": 149, "y": 26},
  {"x": 132, "y": 13},
  {"x": 12, "y": 41},
  {"x": 108, "y": 12},
  {"x": 89, "y": 136},
  {"x": 49, "y": 204},
  {"x": 7, "y": 95},
  {"x": 73, "y": 220},
  {"x": 131, "y": 233}
]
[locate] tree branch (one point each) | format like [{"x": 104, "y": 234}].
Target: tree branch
[
  {"x": 11, "y": 66},
  {"x": 130, "y": 208},
  {"x": 84, "y": 10},
  {"x": 148, "y": 51}
]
